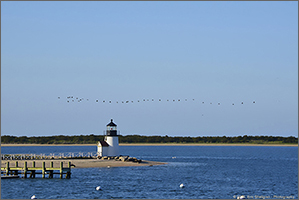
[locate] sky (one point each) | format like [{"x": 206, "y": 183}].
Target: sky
[{"x": 205, "y": 58}]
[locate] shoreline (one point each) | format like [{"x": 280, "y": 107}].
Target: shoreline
[
  {"x": 158, "y": 144},
  {"x": 82, "y": 163}
]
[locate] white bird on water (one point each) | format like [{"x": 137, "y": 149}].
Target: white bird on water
[
  {"x": 33, "y": 197},
  {"x": 182, "y": 185},
  {"x": 98, "y": 188}
]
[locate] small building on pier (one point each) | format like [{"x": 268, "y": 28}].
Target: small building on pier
[{"x": 110, "y": 146}]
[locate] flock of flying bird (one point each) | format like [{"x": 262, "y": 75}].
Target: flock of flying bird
[{"x": 71, "y": 99}]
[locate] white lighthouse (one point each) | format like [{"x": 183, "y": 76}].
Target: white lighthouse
[{"x": 109, "y": 147}]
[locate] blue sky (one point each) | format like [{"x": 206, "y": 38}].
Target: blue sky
[{"x": 212, "y": 52}]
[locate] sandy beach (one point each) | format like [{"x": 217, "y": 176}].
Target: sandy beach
[
  {"x": 81, "y": 163},
  {"x": 157, "y": 144}
]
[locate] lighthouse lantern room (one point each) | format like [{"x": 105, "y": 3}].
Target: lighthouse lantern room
[{"x": 110, "y": 146}]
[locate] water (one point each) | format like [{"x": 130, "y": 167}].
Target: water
[{"x": 206, "y": 171}]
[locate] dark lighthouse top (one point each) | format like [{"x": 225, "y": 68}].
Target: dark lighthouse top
[{"x": 111, "y": 129}]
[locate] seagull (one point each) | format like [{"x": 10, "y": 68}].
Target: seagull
[
  {"x": 33, "y": 197},
  {"x": 98, "y": 188},
  {"x": 182, "y": 185},
  {"x": 241, "y": 197}
]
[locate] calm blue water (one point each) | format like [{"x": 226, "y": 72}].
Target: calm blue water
[{"x": 206, "y": 171}]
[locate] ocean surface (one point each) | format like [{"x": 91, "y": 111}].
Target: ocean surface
[{"x": 218, "y": 172}]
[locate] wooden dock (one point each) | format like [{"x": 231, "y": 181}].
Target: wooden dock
[{"x": 32, "y": 171}]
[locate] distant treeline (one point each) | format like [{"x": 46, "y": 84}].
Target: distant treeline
[{"x": 93, "y": 139}]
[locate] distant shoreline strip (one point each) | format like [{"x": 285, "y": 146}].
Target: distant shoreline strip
[{"x": 157, "y": 144}]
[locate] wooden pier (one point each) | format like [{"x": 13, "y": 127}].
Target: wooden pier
[{"x": 32, "y": 171}]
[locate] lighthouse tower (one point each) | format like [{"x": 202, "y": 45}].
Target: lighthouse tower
[{"x": 109, "y": 147}]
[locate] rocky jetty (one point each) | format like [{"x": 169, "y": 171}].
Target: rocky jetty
[{"x": 120, "y": 158}]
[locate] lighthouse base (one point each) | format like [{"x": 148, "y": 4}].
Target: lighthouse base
[
  {"x": 113, "y": 149},
  {"x": 108, "y": 147}
]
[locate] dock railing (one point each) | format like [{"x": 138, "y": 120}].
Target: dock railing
[{"x": 66, "y": 155}]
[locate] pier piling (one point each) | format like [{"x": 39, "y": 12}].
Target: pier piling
[
  {"x": 43, "y": 170},
  {"x": 25, "y": 169},
  {"x": 61, "y": 168}
]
